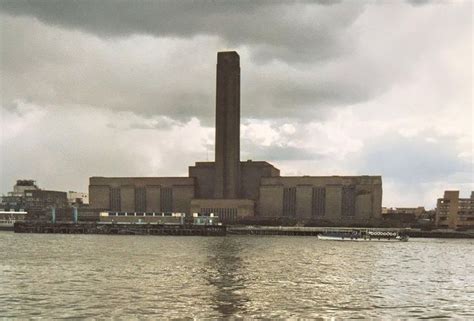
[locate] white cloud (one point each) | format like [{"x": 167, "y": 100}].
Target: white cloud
[{"x": 62, "y": 148}]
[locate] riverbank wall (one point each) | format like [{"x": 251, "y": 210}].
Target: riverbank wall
[
  {"x": 120, "y": 229},
  {"x": 209, "y": 230}
]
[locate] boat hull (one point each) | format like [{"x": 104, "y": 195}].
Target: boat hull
[
  {"x": 361, "y": 239},
  {"x": 6, "y": 226}
]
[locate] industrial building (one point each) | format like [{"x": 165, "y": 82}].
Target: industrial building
[{"x": 236, "y": 190}]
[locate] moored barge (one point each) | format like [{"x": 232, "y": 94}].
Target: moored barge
[{"x": 363, "y": 235}]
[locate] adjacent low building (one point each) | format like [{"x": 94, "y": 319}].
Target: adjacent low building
[
  {"x": 455, "y": 213},
  {"x": 402, "y": 215},
  {"x": 27, "y": 196},
  {"x": 21, "y": 186},
  {"x": 235, "y": 190}
]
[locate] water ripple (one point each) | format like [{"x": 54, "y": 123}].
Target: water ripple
[{"x": 87, "y": 276}]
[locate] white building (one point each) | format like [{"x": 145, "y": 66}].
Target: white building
[{"x": 77, "y": 197}]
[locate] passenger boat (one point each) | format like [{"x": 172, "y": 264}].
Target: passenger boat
[
  {"x": 8, "y": 219},
  {"x": 362, "y": 235}
]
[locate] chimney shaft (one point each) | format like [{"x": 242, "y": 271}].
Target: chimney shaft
[{"x": 227, "y": 179}]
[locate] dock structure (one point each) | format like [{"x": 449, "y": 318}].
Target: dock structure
[
  {"x": 206, "y": 230},
  {"x": 120, "y": 229},
  {"x": 275, "y": 230}
]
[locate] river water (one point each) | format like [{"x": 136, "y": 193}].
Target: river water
[{"x": 103, "y": 276}]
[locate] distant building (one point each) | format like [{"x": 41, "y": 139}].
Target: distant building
[
  {"x": 454, "y": 212},
  {"x": 415, "y": 211},
  {"x": 236, "y": 190},
  {"x": 27, "y": 196},
  {"x": 41, "y": 199},
  {"x": 23, "y": 185},
  {"x": 403, "y": 215},
  {"x": 77, "y": 198}
]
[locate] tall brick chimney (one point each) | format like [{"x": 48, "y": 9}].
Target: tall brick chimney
[{"x": 227, "y": 179}]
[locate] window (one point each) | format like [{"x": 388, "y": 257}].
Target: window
[
  {"x": 289, "y": 201},
  {"x": 319, "y": 201},
  {"x": 348, "y": 201},
  {"x": 140, "y": 199},
  {"x": 166, "y": 194},
  {"x": 115, "y": 199}
]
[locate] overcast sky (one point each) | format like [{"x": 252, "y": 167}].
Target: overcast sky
[{"x": 115, "y": 88}]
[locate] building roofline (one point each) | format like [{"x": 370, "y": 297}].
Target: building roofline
[{"x": 326, "y": 176}]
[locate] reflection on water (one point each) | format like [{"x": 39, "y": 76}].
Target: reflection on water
[
  {"x": 101, "y": 276},
  {"x": 224, "y": 273}
]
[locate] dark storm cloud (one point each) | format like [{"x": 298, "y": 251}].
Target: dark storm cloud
[
  {"x": 299, "y": 99},
  {"x": 48, "y": 66},
  {"x": 298, "y": 31},
  {"x": 299, "y": 59},
  {"x": 151, "y": 76}
]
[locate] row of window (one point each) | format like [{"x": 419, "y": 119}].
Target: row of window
[
  {"x": 318, "y": 201},
  {"x": 225, "y": 214},
  {"x": 166, "y": 199},
  {"x": 110, "y": 214}
]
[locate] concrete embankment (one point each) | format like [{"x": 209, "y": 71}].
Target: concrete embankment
[
  {"x": 441, "y": 234},
  {"x": 210, "y": 230},
  {"x": 314, "y": 231},
  {"x": 122, "y": 229},
  {"x": 5, "y": 227}
]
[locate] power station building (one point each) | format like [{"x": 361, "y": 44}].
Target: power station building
[{"x": 237, "y": 190}]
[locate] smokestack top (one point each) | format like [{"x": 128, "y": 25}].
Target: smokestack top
[{"x": 228, "y": 57}]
